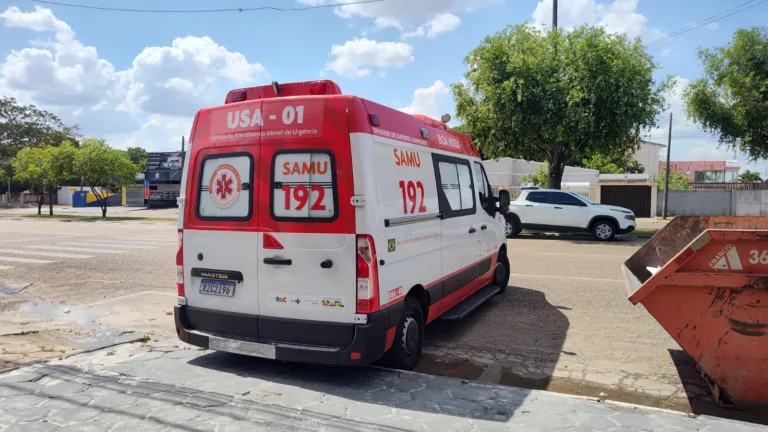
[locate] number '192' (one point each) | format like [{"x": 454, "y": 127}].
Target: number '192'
[{"x": 413, "y": 193}]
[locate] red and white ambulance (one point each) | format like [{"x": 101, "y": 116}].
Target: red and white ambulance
[{"x": 325, "y": 228}]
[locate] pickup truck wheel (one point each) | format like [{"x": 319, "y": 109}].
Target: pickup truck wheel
[
  {"x": 409, "y": 339},
  {"x": 501, "y": 274},
  {"x": 604, "y": 230},
  {"x": 511, "y": 229}
]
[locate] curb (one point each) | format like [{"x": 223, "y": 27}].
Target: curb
[{"x": 138, "y": 338}]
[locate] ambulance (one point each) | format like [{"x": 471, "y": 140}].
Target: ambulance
[{"x": 324, "y": 228}]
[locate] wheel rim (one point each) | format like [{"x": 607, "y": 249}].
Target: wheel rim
[
  {"x": 509, "y": 228},
  {"x": 604, "y": 231},
  {"x": 501, "y": 273},
  {"x": 410, "y": 338}
]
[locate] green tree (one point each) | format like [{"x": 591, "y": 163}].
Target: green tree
[
  {"x": 44, "y": 168},
  {"x": 677, "y": 180},
  {"x": 138, "y": 156},
  {"x": 552, "y": 95},
  {"x": 750, "y": 177},
  {"x": 613, "y": 165},
  {"x": 103, "y": 168},
  {"x": 731, "y": 98},
  {"x": 538, "y": 178}
]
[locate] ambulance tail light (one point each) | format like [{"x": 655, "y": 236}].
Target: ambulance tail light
[
  {"x": 180, "y": 268},
  {"x": 237, "y": 96},
  {"x": 318, "y": 87},
  {"x": 367, "y": 276}
]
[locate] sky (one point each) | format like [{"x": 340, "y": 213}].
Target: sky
[{"x": 137, "y": 79}]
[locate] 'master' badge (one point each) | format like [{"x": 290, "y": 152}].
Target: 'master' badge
[{"x": 224, "y": 188}]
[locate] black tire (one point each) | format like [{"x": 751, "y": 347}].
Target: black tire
[
  {"x": 604, "y": 230},
  {"x": 501, "y": 275},
  {"x": 511, "y": 227},
  {"x": 406, "y": 349}
]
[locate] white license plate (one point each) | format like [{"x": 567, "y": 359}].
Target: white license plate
[{"x": 217, "y": 287}]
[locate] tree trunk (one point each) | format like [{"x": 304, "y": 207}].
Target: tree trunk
[
  {"x": 555, "y": 174},
  {"x": 40, "y": 203},
  {"x": 104, "y": 209},
  {"x": 50, "y": 203}
]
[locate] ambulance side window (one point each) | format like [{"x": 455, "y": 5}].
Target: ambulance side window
[
  {"x": 484, "y": 189},
  {"x": 224, "y": 187},
  {"x": 456, "y": 193},
  {"x": 303, "y": 186}
]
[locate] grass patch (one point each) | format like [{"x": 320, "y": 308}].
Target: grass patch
[{"x": 94, "y": 218}]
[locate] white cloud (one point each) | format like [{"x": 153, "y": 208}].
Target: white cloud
[
  {"x": 40, "y": 20},
  {"x": 429, "y": 101},
  {"x": 409, "y": 16},
  {"x": 163, "y": 86},
  {"x": 356, "y": 57},
  {"x": 158, "y": 133},
  {"x": 440, "y": 24},
  {"x": 618, "y": 16}
]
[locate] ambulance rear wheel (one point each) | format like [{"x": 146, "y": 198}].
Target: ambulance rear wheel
[
  {"x": 406, "y": 349},
  {"x": 501, "y": 274}
]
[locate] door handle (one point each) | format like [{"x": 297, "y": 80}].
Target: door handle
[
  {"x": 559, "y": 208},
  {"x": 278, "y": 261},
  {"x": 472, "y": 230},
  {"x": 483, "y": 226},
  {"x": 326, "y": 264}
]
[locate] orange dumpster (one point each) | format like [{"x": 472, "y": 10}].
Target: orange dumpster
[{"x": 705, "y": 280}]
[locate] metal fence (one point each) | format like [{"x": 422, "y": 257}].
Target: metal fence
[{"x": 730, "y": 186}]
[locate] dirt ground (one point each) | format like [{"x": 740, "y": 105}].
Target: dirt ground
[{"x": 564, "y": 325}]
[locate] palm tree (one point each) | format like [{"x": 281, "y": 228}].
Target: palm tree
[{"x": 750, "y": 177}]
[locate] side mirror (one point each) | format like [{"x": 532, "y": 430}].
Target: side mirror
[{"x": 504, "y": 201}]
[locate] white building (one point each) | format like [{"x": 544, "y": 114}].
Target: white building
[{"x": 648, "y": 156}]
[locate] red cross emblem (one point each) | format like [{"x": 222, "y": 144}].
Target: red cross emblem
[{"x": 224, "y": 187}]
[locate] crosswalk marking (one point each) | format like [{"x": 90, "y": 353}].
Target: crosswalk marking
[
  {"x": 122, "y": 245},
  {"x": 76, "y": 249},
  {"x": 164, "y": 238},
  {"x": 52, "y": 254},
  {"x": 25, "y": 260},
  {"x": 137, "y": 242}
]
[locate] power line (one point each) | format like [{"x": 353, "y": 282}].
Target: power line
[
  {"x": 244, "y": 9},
  {"x": 721, "y": 15}
]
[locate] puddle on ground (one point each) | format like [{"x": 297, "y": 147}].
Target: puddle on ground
[{"x": 82, "y": 316}]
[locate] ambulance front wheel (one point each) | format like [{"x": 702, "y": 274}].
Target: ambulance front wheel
[
  {"x": 501, "y": 274},
  {"x": 406, "y": 349}
]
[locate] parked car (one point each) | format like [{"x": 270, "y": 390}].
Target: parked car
[{"x": 563, "y": 211}]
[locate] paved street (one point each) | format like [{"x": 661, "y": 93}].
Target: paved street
[
  {"x": 564, "y": 325},
  {"x": 159, "y": 387}
]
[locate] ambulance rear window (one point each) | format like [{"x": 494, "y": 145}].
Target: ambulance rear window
[
  {"x": 224, "y": 187},
  {"x": 303, "y": 186}
]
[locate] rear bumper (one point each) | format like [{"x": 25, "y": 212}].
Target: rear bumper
[{"x": 368, "y": 340}]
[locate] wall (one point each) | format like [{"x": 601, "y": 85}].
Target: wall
[
  {"x": 648, "y": 157},
  {"x": 505, "y": 172},
  {"x": 65, "y": 194},
  {"x": 715, "y": 202}
]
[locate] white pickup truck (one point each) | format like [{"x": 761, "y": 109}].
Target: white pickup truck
[{"x": 563, "y": 211}]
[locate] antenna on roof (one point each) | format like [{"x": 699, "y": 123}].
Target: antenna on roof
[
  {"x": 276, "y": 87},
  {"x": 445, "y": 118}
]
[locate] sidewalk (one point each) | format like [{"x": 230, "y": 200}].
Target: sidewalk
[{"x": 160, "y": 387}]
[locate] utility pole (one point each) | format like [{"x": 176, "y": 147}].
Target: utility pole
[
  {"x": 554, "y": 14},
  {"x": 666, "y": 174},
  {"x": 182, "y": 143}
]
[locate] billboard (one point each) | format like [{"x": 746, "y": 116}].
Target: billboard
[{"x": 164, "y": 167}]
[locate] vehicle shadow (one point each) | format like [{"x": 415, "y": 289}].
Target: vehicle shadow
[
  {"x": 515, "y": 339},
  {"x": 700, "y": 396}
]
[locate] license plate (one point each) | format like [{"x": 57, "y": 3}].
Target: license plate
[{"x": 217, "y": 287}]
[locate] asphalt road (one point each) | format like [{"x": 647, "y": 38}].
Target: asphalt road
[{"x": 564, "y": 324}]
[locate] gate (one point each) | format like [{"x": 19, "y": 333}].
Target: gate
[
  {"x": 635, "y": 198},
  {"x": 134, "y": 196}
]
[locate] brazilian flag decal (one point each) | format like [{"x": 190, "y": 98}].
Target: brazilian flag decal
[{"x": 391, "y": 245}]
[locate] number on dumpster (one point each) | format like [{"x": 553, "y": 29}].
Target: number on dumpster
[{"x": 758, "y": 257}]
